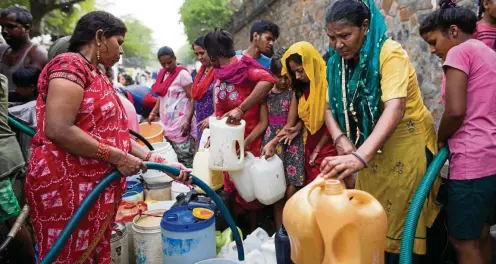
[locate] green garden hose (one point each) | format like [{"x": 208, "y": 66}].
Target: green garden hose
[{"x": 417, "y": 204}]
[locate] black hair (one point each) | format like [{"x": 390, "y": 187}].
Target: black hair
[
  {"x": 446, "y": 16},
  {"x": 27, "y": 76},
  {"x": 129, "y": 79},
  {"x": 89, "y": 24},
  {"x": 263, "y": 26},
  {"x": 298, "y": 86},
  {"x": 350, "y": 12},
  {"x": 22, "y": 15},
  {"x": 219, "y": 44},
  {"x": 198, "y": 42},
  {"x": 165, "y": 51},
  {"x": 275, "y": 63}
]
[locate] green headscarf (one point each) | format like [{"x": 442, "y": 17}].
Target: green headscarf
[{"x": 363, "y": 90}]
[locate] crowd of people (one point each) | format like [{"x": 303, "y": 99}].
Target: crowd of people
[{"x": 357, "y": 115}]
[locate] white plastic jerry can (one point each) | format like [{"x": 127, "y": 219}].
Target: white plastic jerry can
[
  {"x": 214, "y": 179},
  {"x": 243, "y": 181},
  {"x": 270, "y": 172},
  {"x": 223, "y": 139}
]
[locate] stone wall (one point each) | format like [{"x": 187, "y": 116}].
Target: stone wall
[{"x": 304, "y": 20}]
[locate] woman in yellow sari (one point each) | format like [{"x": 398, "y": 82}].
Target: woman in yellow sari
[
  {"x": 306, "y": 69},
  {"x": 377, "y": 118}
]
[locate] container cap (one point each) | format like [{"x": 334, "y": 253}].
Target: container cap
[
  {"x": 118, "y": 229},
  {"x": 181, "y": 219}
]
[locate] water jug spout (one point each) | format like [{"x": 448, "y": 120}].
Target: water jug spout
[{"x": 333, "y": 187}]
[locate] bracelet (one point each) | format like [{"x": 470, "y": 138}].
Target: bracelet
[
  {"x": 103, "y": 152},
  {"x": 148, "y": 156},
  {"x": 338, "y": 137},
  {"x": 241, "y": 110},
  {"x": 316, "y": 151},
  {"x": 122, "y": 161},
  {"x": 360, "y": 159}
]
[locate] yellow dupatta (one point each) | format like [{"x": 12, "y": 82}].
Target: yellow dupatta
[{"x": 311, "y": 110}]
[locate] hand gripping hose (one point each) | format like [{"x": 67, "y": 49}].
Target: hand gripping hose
[
  {"x": 418, "y": 203},
  {"x": 82, "y": 210}
]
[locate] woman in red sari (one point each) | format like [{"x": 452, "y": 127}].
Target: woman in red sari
[
  {"x": 243, "y": 84},
  {"x": 82, "y": 136}
]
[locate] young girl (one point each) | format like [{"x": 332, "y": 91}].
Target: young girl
[
  {"x": 468, "y": 125},
  {"x": 283, "y": 114},
  {"x": 486, "y": 27}
]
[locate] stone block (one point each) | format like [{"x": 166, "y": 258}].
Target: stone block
[
  {"x": 386, "y": 5},
  {"x": 404, "y": 14},
  {"x": 394, "y": 9},
  {"x": 415, "y": 5}
]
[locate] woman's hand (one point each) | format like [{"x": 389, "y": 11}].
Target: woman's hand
[
  {"x": 130, "y": 165},
  {"x": 344, "y": 146},
  {"x": 234, "y": 116},
  {"x": 204, "y": 124},
  {"x": 184, "y": 175},
  {"x": 268, "y": 150},
  {"x": 312, "y": 158},
  {"x": 185, "y": 129},
  {"x": 340, "y": 166},
  {"x": 152, "y": 117},
  {"x": 289, "y": 134}
]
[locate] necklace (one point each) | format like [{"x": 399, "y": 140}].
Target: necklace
[{"x": 345, "y": 102}]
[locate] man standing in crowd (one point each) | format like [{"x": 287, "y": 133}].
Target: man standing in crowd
[
  {"x": 19, "y": 51},
  {"x": 263, "y": 34}
]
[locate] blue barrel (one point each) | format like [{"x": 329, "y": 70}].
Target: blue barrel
[{"x": 185, "y": 238}]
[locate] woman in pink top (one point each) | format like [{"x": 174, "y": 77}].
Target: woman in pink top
[
  {"x": 486, "y": 27},
  {"x": 175, "y": 106},
  {"x": 468, "y": 126}
]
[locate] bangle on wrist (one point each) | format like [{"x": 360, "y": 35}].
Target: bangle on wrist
[
  {"x": 360, "y": 159},
  {"x": 148, "y": 156},
  {"x": 337, "y": 138},
  {"x": 241, "y": 110},
  {"x": 317, "y": 151},
  {"x": 103, "y": 152}
]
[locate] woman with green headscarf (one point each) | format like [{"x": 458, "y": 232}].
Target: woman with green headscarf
[{"x": 377, "y": 118}]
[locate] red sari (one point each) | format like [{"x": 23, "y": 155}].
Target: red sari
[
  {"x": 57, "y": 182},
  {"x": 228, "y": 97}
]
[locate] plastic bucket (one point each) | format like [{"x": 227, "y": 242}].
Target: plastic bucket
[
  {"x": 186, "y": 238},
  {"x": 119, "y": 244},
  {"x": 134, "y": 192},
  {"x": 158, "y": 191},
  {"x": 147, "y": 245},
  {"x": 153, "y": 132}
]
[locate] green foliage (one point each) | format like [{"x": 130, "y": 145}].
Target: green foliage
[
  {"x": 185, "y": 55},
  {"x": 138, "y": 43},
  {"x": 202, "y": 16},
  {"x": 60, "y": 23},
  {"x": 7, "y": 3}
]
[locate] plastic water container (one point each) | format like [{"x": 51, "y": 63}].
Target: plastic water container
[
  {"x": 242, "y": 179},
  {"x": 153, "y": 132},
  {"x": 214, "y": 179},
  {"x": 223, "y": 139},
  {"x": 269, "y": 180},
  {"x": 147, "y": 245},
  {"x": 252, "y": 242},
  {"x": 282, "y": 247},
  {"x": 204, "y": 138},
  {"x": 178, "y": 188},
  {"x": 158, "y": 191},
  {"x": 164, "y": 150},
  {"x": 187, "y": 239},
  {"x": 255, "y": 257},
  {"x": 218, "y": 261},
  {"x": 119, "y": 244},
  {"x": 125, "y": 214},
  {"x": 269, "y": 251},
  {"x": 134, "y": 192}
]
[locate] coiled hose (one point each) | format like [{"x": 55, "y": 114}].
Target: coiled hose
[
  {"x": 82, "y": 210},
  {"x": 417, "y": 204}
]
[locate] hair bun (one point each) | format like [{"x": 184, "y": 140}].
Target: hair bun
[{"x": 445, "y": 4}]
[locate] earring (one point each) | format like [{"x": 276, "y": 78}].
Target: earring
[{"x": 98, "y": 53}]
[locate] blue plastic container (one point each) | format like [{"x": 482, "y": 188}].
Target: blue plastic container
[
  {"x": 134, "y": 192},
  {"x": 186, "y": 239}
]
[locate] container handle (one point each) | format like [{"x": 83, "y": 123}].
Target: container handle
[
  {"x": 241, "y": 153},
  {"x": 318, "y": 182},
  {"x": 361, "y": 196}
]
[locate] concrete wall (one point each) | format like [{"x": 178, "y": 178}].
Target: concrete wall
[{"x": 304, "y": 20}]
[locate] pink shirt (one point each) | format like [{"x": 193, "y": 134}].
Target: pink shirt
[
  {"x": 175, "y": 107},
  {"x": 473, "y": 146},
  {"x": 132, "y": 117},
  {"x": 486, "y": 34}
]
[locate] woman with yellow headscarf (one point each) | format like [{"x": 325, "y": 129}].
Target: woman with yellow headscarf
[{"x": 307, "y": 71}]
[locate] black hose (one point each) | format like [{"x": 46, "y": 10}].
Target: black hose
[{"x": 143, "y": 139}]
